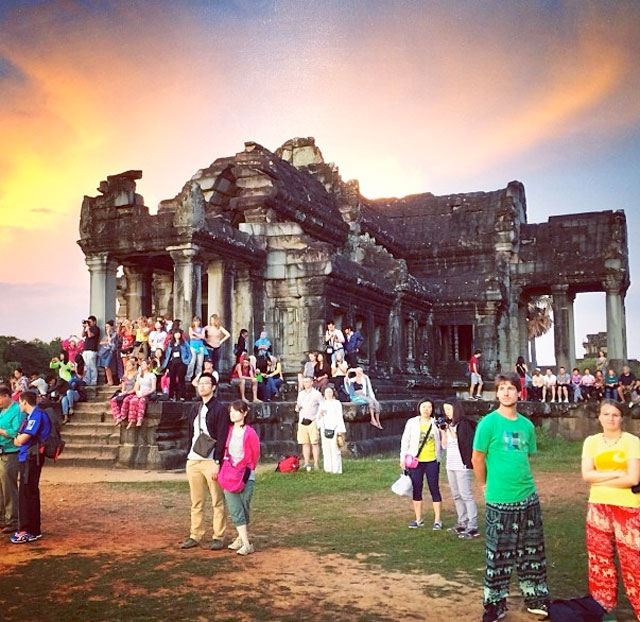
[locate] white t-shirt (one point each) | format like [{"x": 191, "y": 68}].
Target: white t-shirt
[
  {"x": 454, "y": 459},
  {"x": 40, "y": 384},
  {"x": 550, "y": 381},
  {"x": 332, "y": 418},
  {"x": 199, "y": 425}
]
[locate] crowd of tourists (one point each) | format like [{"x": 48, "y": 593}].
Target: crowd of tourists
[{"x": 224, "y": 450}]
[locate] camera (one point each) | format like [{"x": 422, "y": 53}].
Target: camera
[
  {"x": 351, "y": 374},
  {"x": 441, "y": 422}
]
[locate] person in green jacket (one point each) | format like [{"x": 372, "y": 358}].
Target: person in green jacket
[{"x": 63, "y": 365}]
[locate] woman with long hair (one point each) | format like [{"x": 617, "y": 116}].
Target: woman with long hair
[
  {"x": 242, "y": 450},
  {"x": 457, "y": 438},
  {"x": 134, "y": 406},
  {"x": 361, "y": 392},
  {"x": 176, "y": 360},
  {"x": 126, "y": 389},
  {"x": 321, "y": 373},
  {"x": 420, "y": 455},
  {"x": 198, "y": 350},
  {"x": 611, "y": 464},
  {"x": 214, "y": 336}
]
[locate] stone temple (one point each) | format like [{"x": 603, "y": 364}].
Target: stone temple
[{"x": 277, "y": 240}]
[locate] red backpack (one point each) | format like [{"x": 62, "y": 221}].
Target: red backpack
[{"x": 288, "y": 464}]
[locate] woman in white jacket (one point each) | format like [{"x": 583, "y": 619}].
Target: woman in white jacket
[
  {"x": 331, "y": 423},
  {"x": 420, "y": 455}
]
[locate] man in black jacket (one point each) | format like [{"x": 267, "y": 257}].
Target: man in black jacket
[{"x": 208, "y": 427}]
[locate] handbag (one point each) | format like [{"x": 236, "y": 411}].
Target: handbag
[
  {"x": 306, "y": 421},
  {"x": 411, "y": 462},
  {"x": 403, "y": 486},
  {"x": 232, "y": 478},
  {"x": 204, "y": 444},
  {"x": 329, "y": 433}
]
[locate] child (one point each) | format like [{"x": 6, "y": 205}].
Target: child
[{"x": 514, "y": 536}]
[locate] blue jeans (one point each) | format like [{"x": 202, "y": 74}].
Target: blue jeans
[
  {"x": 69, "y": 400},
  {"x": 196, "y": 363},
  {"x": 91, "y": 367}
]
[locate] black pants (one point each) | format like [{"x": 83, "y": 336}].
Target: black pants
[
  {"x": 29, "y": 495},
  {"x": 213, "y": 354},
  {"x": 177, "y": 372}
]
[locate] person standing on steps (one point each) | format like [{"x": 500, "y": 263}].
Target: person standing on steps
[
  {"x": 475, "y": 383},
  {"x": 208, "y": 427}
]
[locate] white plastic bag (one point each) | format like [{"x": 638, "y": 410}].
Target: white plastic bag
[{"x": 403, "y": 486}]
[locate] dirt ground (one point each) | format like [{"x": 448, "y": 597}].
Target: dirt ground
[{"x": 92, "y": 520}]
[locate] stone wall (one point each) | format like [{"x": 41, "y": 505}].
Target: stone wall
[{"x": 162, "y": 442}]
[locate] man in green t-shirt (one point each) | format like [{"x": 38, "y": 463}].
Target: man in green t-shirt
[{"x": 514, "y": 535}]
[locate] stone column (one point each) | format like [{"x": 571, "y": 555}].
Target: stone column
[
  {"x": 523, "y": 331},
  {"x": 615, "y": 324},
  {"x": 138, "y": 292},
  {"x": 486, "y": 337},
  {"x": 242, "y": 305},
  {"x": 187, "y": 283},
  {"x": 371, "y": 340},
  {"x": 572, "y": 331},
  {"x": 215, "y": 297},
  {"x": 561, "y": 338},
  {"x": 102, "y": 286}
]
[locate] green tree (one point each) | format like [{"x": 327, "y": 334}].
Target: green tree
[{"x": 31, "y": 355}]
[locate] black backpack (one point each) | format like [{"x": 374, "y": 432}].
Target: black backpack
[
  {"x": 583, "y": 609},
  {"x": 53, "y": 446}
]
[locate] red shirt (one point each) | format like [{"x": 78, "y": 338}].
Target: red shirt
[{"x": 473, "y": 364}]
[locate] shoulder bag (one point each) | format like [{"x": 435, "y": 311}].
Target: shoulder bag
[
  {"x": 204, "y": 444},
  {"x": 411, "y": 462},
  {"x": 232, "y": 478}
]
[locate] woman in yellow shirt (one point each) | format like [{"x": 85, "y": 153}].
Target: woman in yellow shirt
[
  {"x": 611, "y": 464},
  {"x": 420, "y": 455}
]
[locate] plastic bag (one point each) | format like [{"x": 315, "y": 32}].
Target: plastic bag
[{"x": 403, "y": 486}]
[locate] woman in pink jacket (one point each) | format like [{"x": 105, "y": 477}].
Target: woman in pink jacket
[{"x": 242, "y": 451}]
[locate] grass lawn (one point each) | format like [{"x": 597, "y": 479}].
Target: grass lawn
[{"x": 354, "y": 516}]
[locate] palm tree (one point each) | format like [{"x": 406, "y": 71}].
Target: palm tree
[{"x": 539, "y": 322}]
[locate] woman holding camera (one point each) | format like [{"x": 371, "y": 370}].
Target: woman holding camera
[
  {"x": 457, "y": 437},
  {"x": 420, "y": 455},
  {"x": 611, "y": 464}
]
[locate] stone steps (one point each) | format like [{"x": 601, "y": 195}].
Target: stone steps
[{"x": 72, "y": 458}]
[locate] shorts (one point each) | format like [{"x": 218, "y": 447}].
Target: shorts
[
  {"x": 236, "y": 382},
  {"x": 308, "y": 434},
  {"x": 476, "y": 378}
]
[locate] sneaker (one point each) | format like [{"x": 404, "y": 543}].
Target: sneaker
[
  {"x": 437, "y": 526},
  {"x": 236, "y": 544},
  {"x": 469, "y": 535},
  {"x": 217, "y": 545},
  {"x": 457, "y": 530},
  {"x": 541, "y": 609},
  {"x": 308, "y": 468},
  {"x": 33, "y": 538},
  {"x": 246, "y": 550},
  {"x": 494, "y": 611},
  {"x": 22, "y": 537},
  {"x": 416, "y": 523},
  {"x": 189, "y": 543}
]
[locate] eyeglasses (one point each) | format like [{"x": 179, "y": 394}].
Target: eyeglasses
[{"x": 203, "y": 383}]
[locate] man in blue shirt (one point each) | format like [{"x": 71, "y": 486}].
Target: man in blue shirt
[
  {"x": 10, "y": 421},
  {"x": 34, "y": 430}
]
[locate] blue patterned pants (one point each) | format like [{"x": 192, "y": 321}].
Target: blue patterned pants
[{"x": 514, "y": 537}]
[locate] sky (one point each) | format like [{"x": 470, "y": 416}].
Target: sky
[{"x": 406, "y": 96}]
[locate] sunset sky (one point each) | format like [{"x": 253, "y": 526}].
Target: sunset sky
[{"x": 405, "y": 96}]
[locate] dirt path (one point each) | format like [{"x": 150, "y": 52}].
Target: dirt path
[{"x": 95, "y": 520}]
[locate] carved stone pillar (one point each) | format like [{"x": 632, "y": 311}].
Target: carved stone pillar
[
  {"x": 138, "y": 292},
  {"x": 616, "y": 330},
  {"x": 215, "y": 294},
  {"x": 242, "y": 305},
  {"x": 523, "y": 330},
  {"x": 561, "y": 326},
  {"x": 572, "y": 331},
  {"x": 102, "y": 286},
  {"x": 187, "y": 283},
  {"x": 162, "y": 294},
  {"x": 486, "y": 336}
]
